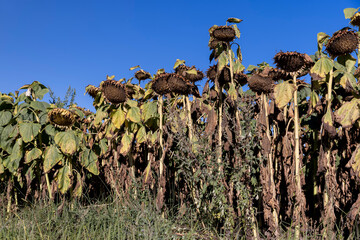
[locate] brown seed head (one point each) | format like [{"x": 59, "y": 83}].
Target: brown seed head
[
  {"x": 92, "y": 90},
  {"x": 293, "y": 62},
  {"x": 223, "y": 33},
  {"x": 61, "y": 118},
  {"x": 355, "y": 20},
  {"x": 113, "y": 91},
  {"x": 182, "y": 71},
  {"x": 261, "y": 84},
  {"x": 160, "y": 83},
  {"x": 142, "y": 75},
  {"x": 342, "y": 42},
  {"x": 178, "y": 84}
]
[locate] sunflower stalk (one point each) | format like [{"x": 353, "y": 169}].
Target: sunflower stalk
[
  {"x": 161, "y": 139},
  {"x": 270, "y": 161},
  {"x": 237, "y": 112},
  {"x": 328, "y": 196},
  {"x": 298, "y": 191}
]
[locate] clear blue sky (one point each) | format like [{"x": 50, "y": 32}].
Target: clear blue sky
[{"x": 76, "y": 43}]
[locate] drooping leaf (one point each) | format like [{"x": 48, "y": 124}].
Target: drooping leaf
[
  {"x": 237, "y": 31},
  {"x": 118, "y": 118},
  {"x": 50, "y": 130},
  {"x": 348, "y": 80},
  {"x": 314, "y": 98},
  {"x": 149, "y": 110},
  {"x": 321, "y": 39},
  {"x": 5, "y": 118},
  {"x": 77, "y": 192},
  {"x": 232, "y": 92},
  {"x": 238, "y": 67},
  {"x": 329, "y": 123},
  {"x": 100, "y": 115},
  {"x": 33, "y": 154},
  {"x": 13, "y": 161},
  {"x": 141, "y": 135},
  {"x": 134, "y": 115},
  {"x": 126, "y": 141},
  {"x": 322, "y": 67},
  {"x": 348, "y": 113},
  {"x": 67, "y": 141},
  {"x": 89, "y": 160},
  {"x": 349, "y": 12},
  {"x": 51, "y": 158},
  {"x": 103, "y": 146},
  {"x": 131, "y": 103},
  {"x": 223, "y": 61},
  {"x": 29, "y": 131},
  {"x": 41, "y": 106},
  {"x": 283, "y": 93},
  {"x": 63, "y": 178},
  {"x": 178, "y": 62}
]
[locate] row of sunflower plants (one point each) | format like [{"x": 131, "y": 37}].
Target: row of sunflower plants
[{"x": 282, "y": 156}]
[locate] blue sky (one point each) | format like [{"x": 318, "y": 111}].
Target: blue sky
[{"x": 76, "y": 43}]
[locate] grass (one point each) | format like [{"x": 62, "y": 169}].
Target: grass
[
  {"x": 135, "y": 219},
  {"x": 114, "y": 220}
]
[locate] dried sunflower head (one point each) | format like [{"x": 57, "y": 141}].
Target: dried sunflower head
[
  {"x": 178, "y": 84},
  {"x": 342, "y": 42},
  {"x": 211, "y": 73},
  {"x": 182, "y": 70},
  {"x": 240, "y": 78},
  {"x": 260, "y": 84},
  {"x": 224, "y": 76},
  {"x": 213, "y": 43},
  {"x": 223, "y": 33},
  {"x": 355, "y": 20},
  {"x": 160, "y": 83},
  {"x": 293, "y": 62},
  {"x": 142, "y": 75},
  {"x": 114, "y": 91},
  {"x": 61, "y": 118},
  {"x": 92, "y": 90}
]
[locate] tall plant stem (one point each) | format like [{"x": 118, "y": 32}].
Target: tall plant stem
[
  {"x": 162, "y": 154},
  {"x": 191, "y": 135},
  {"x": 270, "y": 162},
  {"x": 298, "y": 192},
  {"x": 189, "y": 123},
  {"x": 237, "y": 112},
  {"x": 328, "y": 196},
  {"x": 220, "y": 106},
  {"x": 132, "y": 170},
  {"x": 46, "y": 174}
]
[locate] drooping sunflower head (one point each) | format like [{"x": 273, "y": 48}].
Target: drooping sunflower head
[
  {"x": 342, "y": 42},
  {"x": 190, "y": 73},
  {"x": 114, "y": 91},
  {"x": 178, "y": 84},
  {"x": 160, "y": 83},
  {"x": 355, "y": 20},
  {"x": 61, "y": 118},
  {"x": 261, "y": 84},
  {"x": 92, "y": 90},
  {"x": 293, "y": 62},
  {"x": 142, "y": 75},
  {"x": 223, "y": 33}
]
